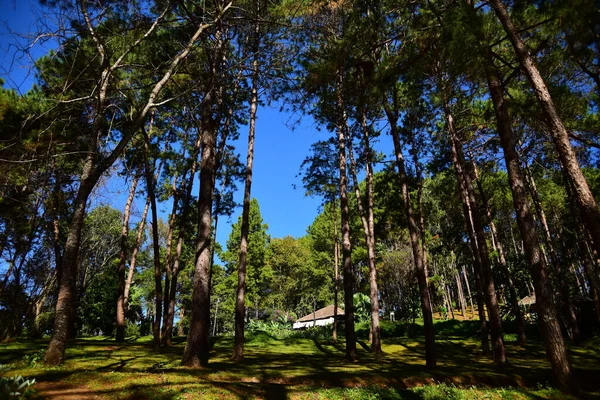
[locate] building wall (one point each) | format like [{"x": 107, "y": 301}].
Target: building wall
[{"x": 308, "y": 324}]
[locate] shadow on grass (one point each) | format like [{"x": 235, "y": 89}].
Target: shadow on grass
[{"x": 278, "y": 369}]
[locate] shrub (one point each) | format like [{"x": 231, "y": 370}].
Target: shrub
[
  {"x": 132, "y": 329},
  {"x": 15, "y": 387},
  {"x": 35, "y": 358}
]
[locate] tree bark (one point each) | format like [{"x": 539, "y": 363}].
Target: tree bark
[
  {"x": 548, "y": 318},
  {"x": 336, "y": 263},
  {"x": 461, "y": 296},
  {"x": 196, "y": 351},
  {"x": 464, "y": 270},
  {"x": 430, "y": 351},
  {"x": 187, "y": 189},
  {"x": 565, "y": 292},
  {"x": 514, "y": 300},
  {"x": 588, "y": 206},
  {"x": 240, "y": 307},
  {"x": 366, "y": 217},
  {"x": 373, "y": 290},
  {"x": 477, "y": 237},
  {"x": 120, "y": 334},
  {"x": 65, "y": 304},
  {"x": 165, "y": 339},
  {"x": 134, "y": 253},
  {"x": 345, "y": 218},
  {"x": 590, "y": 272},
  {"x": 151, "y": 185}
]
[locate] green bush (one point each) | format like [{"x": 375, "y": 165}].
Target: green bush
[
  {"x": 440, "y": 392},
  {"x": 15, "y": 387},
  {"x": 132, "y": 329},
  {"x": 35, "y": 358}
]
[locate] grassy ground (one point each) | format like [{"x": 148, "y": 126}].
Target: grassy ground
[{"x": 300, "y": 368}]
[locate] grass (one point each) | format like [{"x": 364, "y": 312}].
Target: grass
[{"x": 302, "y": 368}]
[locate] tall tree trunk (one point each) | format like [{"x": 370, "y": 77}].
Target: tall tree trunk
[
  {"x": 187, "y": 189},
  {"x": 151, "y": 185},
  {"x": 588, "y": 206},
  {"x": 196, "y": 351},
  {"x": 561, "y": 272},
  {"x": 373, "y": 290},
  {"x": 120, "y": 335},
  {"x": 165, "y": 339},
  {"x": 464, "y": 271},
  {"x": 548, "y": 318},
  {"x": 180, "y": 330},
  {"x": 591, "y": 273},
  {"x": 448, "y": 293},
  {"x": 345, "y": 218},
  {"x": 240, "y": 307},
  {"x": 336, "y": 263},
  {"x": 477, "y": 237},
  {"x": 134, "y": 253},
  {"x": 514, "y": 300},
  {"x": 65, "y": 305},
  {"x": 461, "y": 296},
  {"x": 430, "y": 352},
  {"x": 366, "y": 217}
]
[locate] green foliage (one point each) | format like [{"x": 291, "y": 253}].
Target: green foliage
[
  {"x": 35, "y": 358},
  {"x": 440, "y": 392},
  {"x": 16, "y": 387},
  {"x": 98, "y": 264},
  {"x": 362, "y": 306},
  {"x": 258, "y": 273}
]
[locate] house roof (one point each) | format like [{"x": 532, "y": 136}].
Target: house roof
[{"x": 325, "y": 312}]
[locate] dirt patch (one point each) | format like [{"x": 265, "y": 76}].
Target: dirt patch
[{"x": 64, "y": 391}]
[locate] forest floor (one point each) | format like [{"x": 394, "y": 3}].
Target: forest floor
[{"x": 297, "y": 368}]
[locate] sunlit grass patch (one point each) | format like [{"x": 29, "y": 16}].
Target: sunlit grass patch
[{"x": 299, "y": 367}]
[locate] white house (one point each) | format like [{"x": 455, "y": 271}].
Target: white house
[{"x": 321, "y": 317}]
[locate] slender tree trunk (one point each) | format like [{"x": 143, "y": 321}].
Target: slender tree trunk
[
  {"x": 548, "y": 318},
  {"x": 588, "y": 206},
  {"x": 374, "y": 292},
  {"x": 216, "y": 315},
  {"x": 464, "y": 270},
  {"x": 581, "y": 289},
  {"x": 187, "y": 189},
  {"x": 565, "y": 293},
  {"x": 430, "y": 352},
  {"x": 420, "y": 214},
  {"x": 461, "y": 296},
  {"x": 590, "y": 272},
  {"x": 134, "y": 253},
  {"x": 336, "y": 263},
  {"x": 449, "y": 296},
  {"x": 120, "y": 335},
  {"x": 366, "y": 217},
  {"x": 345, "y": 218},
  {"x": 151, "y": 185},
  {"x": 240, "y": 308},
  {"x": 196, "y": 351},
  {"x": 479, "y": 245},
  {"x": 165, "y": 339},
  {"x": 514, "y": 300},
  {"x": 180, "y": 330}
]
